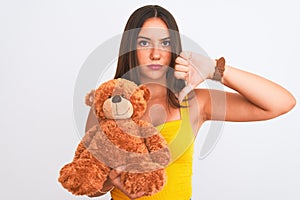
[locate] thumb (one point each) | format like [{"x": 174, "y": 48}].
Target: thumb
[
  {"x": 186, "y": 55},
  {"x": 185, "y": 91}
]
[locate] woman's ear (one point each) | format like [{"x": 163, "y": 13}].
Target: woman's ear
[
  {"x": 146, "y": 92},
  {"x": 89, "y": 98}
]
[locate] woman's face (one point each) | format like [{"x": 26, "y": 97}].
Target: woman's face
[{"x": 153, "y": 51}]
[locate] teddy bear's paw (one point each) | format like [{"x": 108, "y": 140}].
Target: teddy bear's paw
[
  {"x": 149, "y": 183},
  {"x": 83, "y": 177},
  {"x": 156, "y": 180}
]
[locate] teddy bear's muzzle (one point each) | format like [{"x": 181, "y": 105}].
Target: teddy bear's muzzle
[{"x": 117, "y": 107}]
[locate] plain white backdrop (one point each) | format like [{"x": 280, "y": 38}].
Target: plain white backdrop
[{"x": 43, "y": 45}]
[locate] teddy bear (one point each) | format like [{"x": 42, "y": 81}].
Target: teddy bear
[{"x": 120, "y": 140}]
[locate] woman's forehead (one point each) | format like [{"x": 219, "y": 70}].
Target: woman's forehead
[{"x": 154, "y": 28}]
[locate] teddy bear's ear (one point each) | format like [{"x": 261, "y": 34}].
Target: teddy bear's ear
[
  {"x": 146, "y": 92},
  {"x": 89, "y": 98}
]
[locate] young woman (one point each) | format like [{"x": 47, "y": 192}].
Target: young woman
[{"x": 151, "y": 54}]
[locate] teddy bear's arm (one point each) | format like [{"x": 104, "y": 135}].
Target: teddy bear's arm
[
  {"x": 156, "y": 144},
  {"x": 158, "y": 149}
]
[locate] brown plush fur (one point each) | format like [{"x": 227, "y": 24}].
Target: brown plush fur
[{"x": 130, "y": 143}]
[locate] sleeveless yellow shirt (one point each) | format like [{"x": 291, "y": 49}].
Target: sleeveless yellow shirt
[{"x": 180, "y": 138}]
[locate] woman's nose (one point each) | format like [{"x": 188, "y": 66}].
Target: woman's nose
[{"x": 155, "y": 54}]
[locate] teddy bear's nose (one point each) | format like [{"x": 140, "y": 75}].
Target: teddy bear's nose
[{"x": 116, "y": 99}]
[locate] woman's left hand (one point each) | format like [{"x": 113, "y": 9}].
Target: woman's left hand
[{"x": 194, "y": 69}]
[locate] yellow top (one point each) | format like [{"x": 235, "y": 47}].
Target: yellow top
[{"x": 180, "y": 138}]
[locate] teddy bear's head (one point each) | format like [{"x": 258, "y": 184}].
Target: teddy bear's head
[{"x": 119, "y": 99}]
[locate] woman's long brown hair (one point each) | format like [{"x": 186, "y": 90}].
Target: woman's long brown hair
[{"x": 127, "y": 60}]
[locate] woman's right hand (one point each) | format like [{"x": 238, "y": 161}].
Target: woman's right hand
[
  {"x": 114, "y": 177},
  {"x": 194, "y": 68}
]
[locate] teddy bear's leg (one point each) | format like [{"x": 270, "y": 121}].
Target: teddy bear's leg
[
  {"x": 80, "y": 148},
  {"x": 84, "y": 176},
  {"x": 85, "y": 142},
  {"x": 148, "y": 182}
]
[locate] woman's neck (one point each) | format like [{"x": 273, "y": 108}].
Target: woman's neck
[{"x": 157, "y": 91}]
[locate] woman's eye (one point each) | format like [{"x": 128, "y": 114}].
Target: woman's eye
[
  {"x": 166, "y": 43},
  {"x": 144, "y": 43}
]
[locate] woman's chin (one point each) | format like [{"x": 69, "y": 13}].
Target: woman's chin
[{"x": 155, "y": 75}]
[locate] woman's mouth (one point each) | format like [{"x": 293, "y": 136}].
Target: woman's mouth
[{"x": 155, "y": 67}]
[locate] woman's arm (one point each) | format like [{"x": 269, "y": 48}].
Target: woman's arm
[{"x": 256, "y": 99}]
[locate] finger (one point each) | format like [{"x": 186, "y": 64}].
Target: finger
[
  {"x": 136, "y": 195},
  {"x": 181, "y": 75},
  {"x": 114, "y": 174},
  {"x": 121, "y": 168},
  {"x": 187, "y": 89},
  {"x": 181, "y": 68},
  {"x": 186, "y": 55},
  {"x": 181, "y": 61},
  {"x": 115, "y": 179},
  {"x": 116, "y": 182}
]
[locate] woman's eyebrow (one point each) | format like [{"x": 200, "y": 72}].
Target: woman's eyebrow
[
  {"x": 146, "y": 38},
  {"x": 142, "y": 37},
  {"x": 166, "y": 38}
]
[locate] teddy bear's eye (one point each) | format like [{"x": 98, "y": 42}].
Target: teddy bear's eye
[
  {"x": 109, "y": 96},
  {"x": 123, "y": 95}
]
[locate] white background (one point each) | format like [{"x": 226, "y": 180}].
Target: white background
[{"x": 43, "y": 45}]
